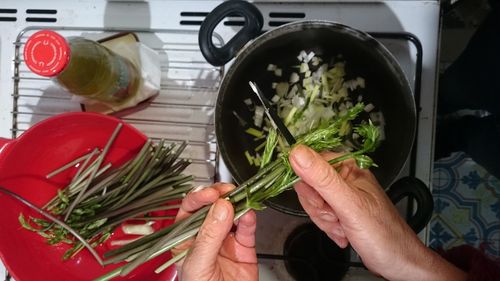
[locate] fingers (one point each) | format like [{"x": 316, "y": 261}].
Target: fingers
[
  {"x": 310, "y": 196},
  {"x": 195, "y": 200},
  {"x": 211, "y": 236},
  {"x": 245, "y": 231},
  {"x": 318, "y": 174},
  {"x": 342, "y": 242},
  {"x": 321, "y": 214}
]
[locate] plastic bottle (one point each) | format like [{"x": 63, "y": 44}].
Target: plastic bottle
[{"x": 83, "y": 67}]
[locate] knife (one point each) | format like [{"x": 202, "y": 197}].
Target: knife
[{"x": 272, "y": 115}]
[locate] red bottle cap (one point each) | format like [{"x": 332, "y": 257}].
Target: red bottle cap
[{"x": 46, "y": 53}]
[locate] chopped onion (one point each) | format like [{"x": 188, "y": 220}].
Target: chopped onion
[
  {"x": 309, "y": 57},
  {"x": 294, "y": 78},
  {"x": 298, "y": 101},
  {"x": 302, "y": 55},
  {"x": 282, "y": 89},
  {"x": 138, "y": 229},
  {"x": 377, "y": 118},
  {"x": 369, "y": 107},
  {"x": 316, "y": 90},
  {"x": 303, "y": 67},
  {"x": 315, "y": 61},
  {"x": 293, "y": 91},
  {"x": 275, "y": 98},
  {"x": 248, "y": 101},
  {"x": 258, "y": 116}
]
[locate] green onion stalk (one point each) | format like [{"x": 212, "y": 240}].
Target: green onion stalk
[
  {"x": 271, "y": 180},
  {"x": 99, "y": 197}
]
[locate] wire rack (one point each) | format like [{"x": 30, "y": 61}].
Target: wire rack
[{"x": 183, "y": 110}]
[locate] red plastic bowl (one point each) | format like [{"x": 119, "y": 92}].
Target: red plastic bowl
[{"x": 24, "y": 164}]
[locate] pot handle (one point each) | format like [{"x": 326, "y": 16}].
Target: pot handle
[
  {"x": 252, "y": 28},
  {"x": 414, "y": 188}
]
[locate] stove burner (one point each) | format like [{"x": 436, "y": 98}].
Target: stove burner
[{"x": 312, "y": 256}]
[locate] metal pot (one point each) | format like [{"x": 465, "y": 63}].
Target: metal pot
[{"x": 386, "y": 87}]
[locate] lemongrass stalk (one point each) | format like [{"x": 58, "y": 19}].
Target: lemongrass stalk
[
  {"x": 70, "y": 164},
  {"x": 173, "y": 260},
  {"x": 167, "y": 247},
  {"x": 142, "y": 258}
]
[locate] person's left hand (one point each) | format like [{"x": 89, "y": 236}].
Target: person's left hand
[{"x": 217, "y": 253}]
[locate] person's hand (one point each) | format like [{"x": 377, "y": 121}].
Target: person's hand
[
  {"x": 217, "y": 253},
  {"x": 351, "y": 207}
]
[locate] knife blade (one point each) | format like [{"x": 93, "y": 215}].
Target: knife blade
[{"x": 272, "y": 115}]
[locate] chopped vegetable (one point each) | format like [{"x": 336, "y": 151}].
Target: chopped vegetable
[
  {"x": 309, "y": 57},
  {"x": 304, "y": 67},
  {"x": 275, "y": 98},
  {"x": 282, "y": 89},
  {"x": 138, "y": 229},
  {"x": 294, "y": 78},
  {"x": 249, "y": 157},
  {"x": 278, "y": 72},
  {"x": 315, "y": 93},
  {"x": 369, "y": 107},
  {"x": 271, "y": 67},
  {"x": 254, "y": 132},
  {"x": 258, "y": 116}
]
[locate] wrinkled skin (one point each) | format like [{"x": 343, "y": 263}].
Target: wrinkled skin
[
  {"x": 218, "y": 253},
  {"x": 351, "y": 207}
]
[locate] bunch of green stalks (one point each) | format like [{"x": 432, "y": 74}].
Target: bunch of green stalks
[
  {"x": 100, "y": 198},
  {"x": 272, "y": 179}
]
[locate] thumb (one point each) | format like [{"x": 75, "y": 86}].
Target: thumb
[
  {"x": 212, "y": 234},
  {"x": 319, "y": 174}
]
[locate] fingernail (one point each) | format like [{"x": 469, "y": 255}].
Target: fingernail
[
  {"x": 303, "y": 156},
  {"x": 219, "y": 212}
]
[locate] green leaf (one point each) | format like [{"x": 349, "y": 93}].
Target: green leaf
[
  {"x": 370, "y": 134},
  {"x": 26, "y": 224},
  {"x": 364, "y": 161},
  {"x": 255, "y": 205},
  {"x": 62, "y": 196},
  {"x": 271, "y": 142}
]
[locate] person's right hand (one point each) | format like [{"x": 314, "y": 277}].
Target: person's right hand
[{"x": 351, "y": 207}]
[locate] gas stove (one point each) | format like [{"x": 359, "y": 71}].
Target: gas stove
[{"x": 184, "y": 109}]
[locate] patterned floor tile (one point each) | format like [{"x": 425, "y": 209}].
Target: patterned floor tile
[{"x": 467, "y": 205}]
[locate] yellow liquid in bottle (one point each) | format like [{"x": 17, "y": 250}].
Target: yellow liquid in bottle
[{"x": 97, "y": 73}]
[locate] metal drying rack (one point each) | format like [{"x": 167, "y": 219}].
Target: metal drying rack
[{"x": 183, "y": 110}]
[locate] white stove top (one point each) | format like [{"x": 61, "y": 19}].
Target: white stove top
[{"x": 166, "y": 25}]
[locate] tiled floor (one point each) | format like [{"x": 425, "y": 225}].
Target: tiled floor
[{"x": 466, "y": 205}]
